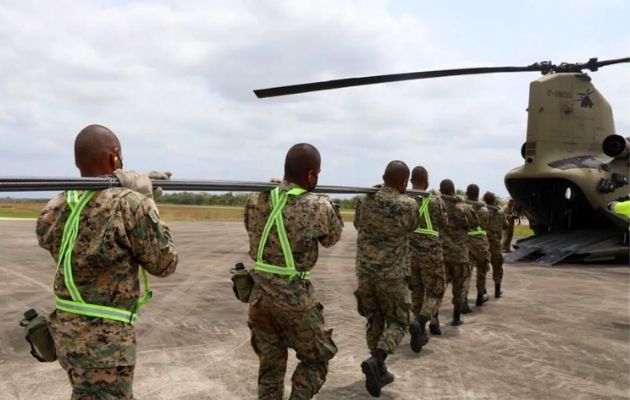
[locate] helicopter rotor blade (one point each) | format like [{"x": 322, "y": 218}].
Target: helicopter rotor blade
[
  {"x": 371, "y": 80},
  {"x": 544, "y": 67}
]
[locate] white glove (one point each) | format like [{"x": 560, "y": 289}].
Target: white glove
[
  {"x": 135, "y": 181},
  {"x": 157, "y": 175}
]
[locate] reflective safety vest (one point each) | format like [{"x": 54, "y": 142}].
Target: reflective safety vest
[
  {"x": 278, "y": 201},
  {"x": 77, "y": 305},
  {"x": 477, "y": 232},
  {"x": 424, "y": 213},
  {"x": 622, "y": 207}
]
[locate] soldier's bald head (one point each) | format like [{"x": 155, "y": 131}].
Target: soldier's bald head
[
  {"x": 302, "y": 165},
  {"x": 489, "y": 198},
  {"x": 447, "y": 187},
  {"x": 472, "y": 192},
  {"x": 396, "y": 175},
  {"x": 97, "y": 151},
  {"x": 420, "y": 178}
]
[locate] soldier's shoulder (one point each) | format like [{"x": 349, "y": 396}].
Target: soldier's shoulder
[
  {"x": 316, "y": 200},
  {"x": 407, "y": 201},
  {"x": 115, "y": 197},
  {"x": 55, "y": 203}
]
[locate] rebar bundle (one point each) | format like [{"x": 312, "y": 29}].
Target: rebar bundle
[{"x": 45, "y": 184}]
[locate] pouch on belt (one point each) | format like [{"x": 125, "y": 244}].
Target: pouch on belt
[
  {"x": 242, "y": 282},
  {"x": 37, "y": 334}
]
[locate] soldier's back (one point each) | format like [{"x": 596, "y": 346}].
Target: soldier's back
[{"x": 384, "y": 222}]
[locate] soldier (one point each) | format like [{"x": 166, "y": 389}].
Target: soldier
[
  {"x": 101, "y": 241},
  {"x": 454, "y": 237},
  {"x": 508, "y": 230},
  {"x": 384, "y": 222},
  {"x": 285, "y": 227},
  {"x": 427, "y": 279},
  {"x": 496, "y": 222},
  {"x": 478, "y": 247}
]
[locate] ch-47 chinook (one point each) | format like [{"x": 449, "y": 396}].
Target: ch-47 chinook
[{"x": 574, "y": 162}]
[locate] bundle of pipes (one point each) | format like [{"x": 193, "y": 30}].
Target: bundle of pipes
[{"x": 46, "y": 184}]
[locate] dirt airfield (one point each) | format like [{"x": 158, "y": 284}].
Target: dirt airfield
[{"x": 560, "y": 332}]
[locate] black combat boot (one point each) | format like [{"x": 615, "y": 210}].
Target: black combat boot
[
  {"x": 457, "y": 316},
  {"x": 418, "y": 332},
  {"x": 482, "y": 298},
  {"x": 497, "y": 290},
  {"x": 372, "y": 368},
  {"x": 434, "y": 325},
  {"x": 465, "y": 307},
  {"x": 386, "y": 376}
]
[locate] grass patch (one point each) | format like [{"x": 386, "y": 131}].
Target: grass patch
[
  {"x": 170, "y": 212},
  {"x": 20, "y": 209},
  {"x": 522, "y": 231}
]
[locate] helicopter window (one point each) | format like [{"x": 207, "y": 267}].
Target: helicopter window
[{"x": 568, "y": 193}]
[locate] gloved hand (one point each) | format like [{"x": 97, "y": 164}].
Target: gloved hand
[
  {"x": 141, "y": 183},
  {"x": 157, "y": 175},
  {"x": 611, "y": 206},
  {"x": 135, "y": 181}
]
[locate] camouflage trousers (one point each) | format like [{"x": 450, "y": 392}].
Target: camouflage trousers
[
  {"x": 508, "y": 234},
  {"x": 427, "y": 281},
  {"x": 479, "y": 260},
  {"x": 496, "y": 260},
  {"x": 274, "y": 330},
  {"x": 385, "y": 303},
  {"x": 456, "y": 274},
  {"x": 101, "y": 383}
]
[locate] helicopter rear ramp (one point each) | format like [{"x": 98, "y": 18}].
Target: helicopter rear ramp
[{"x": 574, "y": 245}]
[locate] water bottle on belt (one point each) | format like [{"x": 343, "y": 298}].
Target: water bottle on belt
[
  {"x": 37, "y": 334},
  {"x": 242, "y": 282}
]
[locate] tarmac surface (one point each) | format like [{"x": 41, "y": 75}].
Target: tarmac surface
[{"x": 559, "y": 332}]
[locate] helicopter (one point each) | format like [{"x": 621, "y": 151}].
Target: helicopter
[{"x": 574, "y": 163}]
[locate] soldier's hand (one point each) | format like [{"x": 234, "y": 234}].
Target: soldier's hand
[
  {"x": 135, "y": 181},
  {"x": 157, "y": 175}
]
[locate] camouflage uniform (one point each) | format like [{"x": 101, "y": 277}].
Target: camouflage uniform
[
  {"x": 384, "y": 222},
  {"x": 478, "y": 247},
  {"x": 454, "y": 237},
  {"x": 428, "y": 280},
  {"x": 508, "y": 228},
  {"x": 495, "y": 226},
  {"x": 119, "y": 231},
  {"x": 283, "y": 312}
]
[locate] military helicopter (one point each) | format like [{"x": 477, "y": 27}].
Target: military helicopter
[{"x": 574, "y": 162}]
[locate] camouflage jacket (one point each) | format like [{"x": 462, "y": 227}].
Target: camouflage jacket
[
  {"x": 309, "y": 219},
  {"x": 481, "y": 219},
  {"x": 455, "y": 233},
  {"x": 495, "y": 225},
  {"x": 119, "y": 231},
  {"x": 384, "y": 222},
  {"x": 437, "y": 214},
  {"x": 510, "y": 216}
]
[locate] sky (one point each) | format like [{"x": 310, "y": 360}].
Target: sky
[{"x": 174, "y": 80}]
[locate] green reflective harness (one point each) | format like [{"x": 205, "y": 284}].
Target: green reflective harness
[
  {"x": 77, "y": 305},
  {"x": 477, "y": 232},
  {"x": 278, "y": 201},
  {"x": 424, "y": 213}
]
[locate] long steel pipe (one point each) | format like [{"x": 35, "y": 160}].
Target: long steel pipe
[{"x": 45, "y": 184}]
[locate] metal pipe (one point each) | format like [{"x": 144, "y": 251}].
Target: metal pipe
[{"x": 46, "y": 184}]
